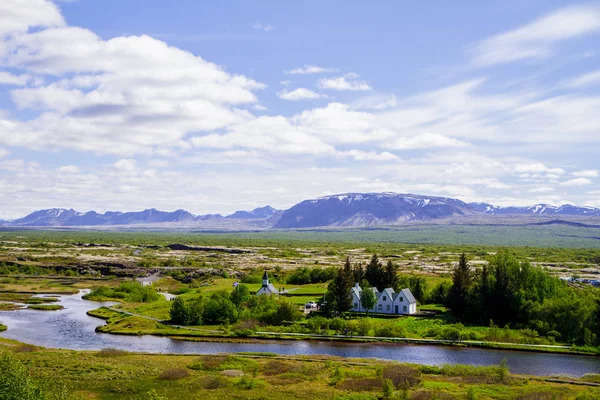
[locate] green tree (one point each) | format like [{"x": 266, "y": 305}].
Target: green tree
[
  {"x": 219, "y": 309},
  {"x": 240, "y": 295},
  {"x": 462, "y": 279},
  {"x": 286, "y": 312},
  {"x": 339, "y": 298},
  {"x": 196, "y": 309},
  {"x": 374, "y": 273},
  {"x": 367, "y": 299},
  {"x": 180, "y": 312},
  {"x": 390, "y": 276},
  {"x": 418, "y": 287}
]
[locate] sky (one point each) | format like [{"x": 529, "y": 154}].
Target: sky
[{"x": 220, "y": 106}]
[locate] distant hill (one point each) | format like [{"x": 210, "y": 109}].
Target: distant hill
[
  {"x": 367, "y": 209},
  {"x": 343, "y": 210}
]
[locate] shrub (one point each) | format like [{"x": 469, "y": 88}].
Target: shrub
[
  {"x": 401, "y": 376},
  {"x": 111, "y": 352},
  {"x": 390, "y": 330},
  {"x": 360, "y": 385},
  {"x": 363, "y": 326},
  {"x": 174, "y": 374},
  {"x": 212, "y": 382}
]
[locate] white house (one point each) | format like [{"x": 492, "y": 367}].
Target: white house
[
  {"x": 388, "y": 301},
  {"x": 267, "y": 288}
]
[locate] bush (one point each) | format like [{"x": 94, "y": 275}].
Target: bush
[
  {"x": 363, "y": 326},
  {"x": 111, "y": 352},
  {"x": 401, "y": 376},
  {"x": 390, "y": 330},
  {"x": 174, "y": 374},
  {"x": 219, "y": 309}
]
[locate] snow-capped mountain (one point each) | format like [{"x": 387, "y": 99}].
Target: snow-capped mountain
[
  {"x": 365, "y": 209},
  {"x": 538, "y": 209},
  {"x": 345, "y": 210}
]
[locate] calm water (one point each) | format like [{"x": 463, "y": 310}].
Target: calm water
[{"x": 72, "y": 329}]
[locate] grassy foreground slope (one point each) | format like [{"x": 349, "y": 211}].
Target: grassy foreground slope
[{"x": 112, "y": 374}]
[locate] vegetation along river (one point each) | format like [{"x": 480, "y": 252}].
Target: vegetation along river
[{"x": 71, "y": 328}]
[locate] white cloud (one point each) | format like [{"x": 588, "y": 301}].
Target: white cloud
[
  {"x": 69, "y": 169},
  {"x": 18, "y": 15},
  {"x": 310, "y": 69},
  {"x": 263, "y": 27},
  {"x": 576, "y": 182},
  {"x": 537, "y": 168},
  {"x": 126, "y": 95},
  {"x": 424, "y": 141},
  {"x": 537, "y": 39},
  {"x": 299, "y": 94},
  {"x": 359, "y": 155},
  {"x": 543, "y": 189},
  {"x": 375, "y": 102},
  {"x": 126, "y": 165},
  {"x": 285, "y": 83},
  {"x": 585, "y": 80},
  {"x": 348, "y": 82},
  {"x": 589, "y": 173},
  {"x": 7, "y": 78},
  {"x": 3, "y": 152}
]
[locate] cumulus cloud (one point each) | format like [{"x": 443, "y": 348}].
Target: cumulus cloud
[
  {"x": 6, "y": 78},
  {"x": 348, "y": 82},
  {"x": 424, "y": 141},
  {"x": 576, "y": 182},
  {"x": 360, "y": 155},
  {"x": 126, "y": 165},
  {"x": 310, "y": 69},
  {"x": 68, "y": 169},
  {"x": 18, "y": 16},
  {"x": 589, "y": 173},
  {"x": 537, "y": 39},
  {"x": 537, "y": 168},
  {"x": 299, "y": 94}
]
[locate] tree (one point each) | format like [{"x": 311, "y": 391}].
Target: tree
[
  {"x": 462, "y": 279},
  {"x": 374, "y": 273},
  {"x": 240, "y": 294},
  {"x": 359, "y": 272},
  {"x": 390, "y": 277},
  {"x": 196, "y": 309},
  {"x": 286, "y": 312},
  {"x": 220, "y": 309},
  {"x": 418, "y": 287},
  {"x": 180, "y": 312},
  {"x": 339, "y": 298},
  {"x": 367, "y": 299}
]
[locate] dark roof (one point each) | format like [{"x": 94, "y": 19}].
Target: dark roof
[
  {"x": 409, "y": 296},
  {"x": 265, "y": 276}
]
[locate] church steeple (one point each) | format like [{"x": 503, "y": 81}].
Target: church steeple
[{"x": 265, "y": 279}]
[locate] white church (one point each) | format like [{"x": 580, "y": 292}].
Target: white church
[
  {"x": 388, "y": 301},
  {"x": 267, "y": 287}
]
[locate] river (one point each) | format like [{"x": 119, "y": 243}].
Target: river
[{"x": 71, "y": 328}]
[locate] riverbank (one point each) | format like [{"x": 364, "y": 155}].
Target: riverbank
[
  {"x": 121, "y": 322},
  {"x": 115, "y": 374}
]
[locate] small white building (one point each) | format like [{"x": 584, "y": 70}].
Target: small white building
[
  {"x": 267, "y": 288},
  {"x": 388, "y": 301}
]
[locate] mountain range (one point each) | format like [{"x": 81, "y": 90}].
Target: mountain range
[{"x": 343, "y": 210}]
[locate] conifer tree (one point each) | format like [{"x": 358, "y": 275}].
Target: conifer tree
[
  {"x": 462, "y": 279},
  {"x": 374, "y": 273},
  {"x": 390, "y": 277}
]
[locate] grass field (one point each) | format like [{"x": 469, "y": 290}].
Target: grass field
[{"x": 112, "y": 374}]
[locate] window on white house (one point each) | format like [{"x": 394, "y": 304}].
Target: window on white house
[
  {"x": 387, "y": 307},
  {"x": 401, "y": 299},
  {"x": 380, "y": 306},
  {"x": 355, "y": 305},
  {"x": 384, "y": 298},
  {"x": 404, "y": 308}
]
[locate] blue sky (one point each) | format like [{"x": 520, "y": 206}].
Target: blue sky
[{"x": 220, "y": 106}]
